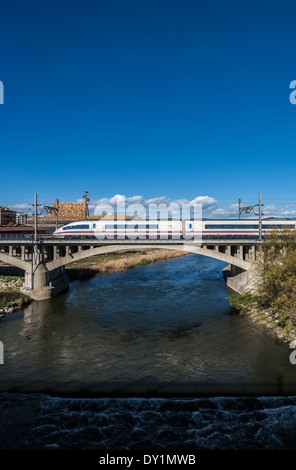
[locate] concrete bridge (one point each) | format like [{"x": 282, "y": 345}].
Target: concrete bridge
[{"x": 44, "y": 261}]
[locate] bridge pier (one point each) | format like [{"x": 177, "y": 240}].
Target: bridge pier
[
  {"x": 42, "y": 284},
  {"x": 40, "y": 277},
  {"x": 44, "y": 262},
  {"x": 238, "y": 279}
]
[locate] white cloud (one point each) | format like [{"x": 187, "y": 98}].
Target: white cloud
[
  {"x": 114, "y": 200},
  {"x": 210, "y": 205},
  {"x": 118, "y": 199},
  {"x": 220, "y": 212},
  {"x": 21, "y": 207},
  {"x": 116, "y": 203},
  {"x": 157, "y": 200},
  {"x": 179, "y": 202},
  {"x": 134, "y": 200},
  {"x": 271, "y": 207},
  {"x": 233, "y": 206},
  {"x": 287, "y": 212},
  {"x": 205, "y": 201}
]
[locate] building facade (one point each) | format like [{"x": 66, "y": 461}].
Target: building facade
[
  {"x": 7, "y": 216},
  {"x": 21, "y": 218}
]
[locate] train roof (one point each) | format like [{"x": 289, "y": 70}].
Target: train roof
[{"x": 272, "y": 219}]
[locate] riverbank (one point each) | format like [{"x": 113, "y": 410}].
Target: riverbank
[
  {"x": 11, "y": 298},
  {"x": 248, "y": 305},
  {"x": 100, "y": 264},
  {"x": 12, "y": 279}
]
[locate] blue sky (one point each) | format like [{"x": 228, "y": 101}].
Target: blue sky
[{"x": 157, "y": 98}]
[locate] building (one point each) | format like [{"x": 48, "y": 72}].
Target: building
[
  {"x": 69, "y": 212},
  {"x": 7, "y": 216},
  {"x": 21, "y": 218},
  {"x": 18, "y": 232}
]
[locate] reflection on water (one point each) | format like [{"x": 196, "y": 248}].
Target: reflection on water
[{"x": 164, "y": 328}]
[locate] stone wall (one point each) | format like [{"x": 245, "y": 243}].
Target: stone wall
[{"x": 240, "y": 280}]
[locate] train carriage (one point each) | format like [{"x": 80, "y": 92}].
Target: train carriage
[{"x": 170, "y": 229}]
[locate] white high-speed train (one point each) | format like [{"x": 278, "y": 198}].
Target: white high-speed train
[{"x": 170, "y": 229}]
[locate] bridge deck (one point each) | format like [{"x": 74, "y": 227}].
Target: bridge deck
[{"x": 58, "y": 242}]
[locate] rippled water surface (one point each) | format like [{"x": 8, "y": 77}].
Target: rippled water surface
[
  {"x": 42, "y": 422},
  {"x": 131, "y": 345},
  {"x": 164, "y": 328}
]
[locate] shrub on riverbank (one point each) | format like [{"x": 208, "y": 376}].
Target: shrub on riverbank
[
  {"x": 144, "y": 261},
  {"x": 13, "y": 299},
  {"x": 242, "y": 303},
  {"x": 117, "y": 262},
  {"x": 276, "y": 292},
  {"x": 278, "y": 274},
  {"x": 11, "y": 278},
  {"x": 10, "y": 283}
]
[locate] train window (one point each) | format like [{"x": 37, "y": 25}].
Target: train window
[
  {"x": 239, "y": 226},
  {"x": 115, "y": 227},
  {"x": 76, "y": 227},
  {"x": 132, "y": 227},
  {"x": 190, "y": 226},
  {"x": 228, "y": 226},
  {"x": 94, "y": 225},
  {"x": 277, "y": 226}
]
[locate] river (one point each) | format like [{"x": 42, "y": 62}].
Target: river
[{"x": 136, "y": 344}]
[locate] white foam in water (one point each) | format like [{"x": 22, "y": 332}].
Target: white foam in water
[{"x": 39, "y": 421}]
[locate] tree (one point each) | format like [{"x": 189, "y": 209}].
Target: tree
[{"x": 277, "y": 268}]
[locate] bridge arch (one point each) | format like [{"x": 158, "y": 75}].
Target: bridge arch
[
  {"x": 44, "y": 263},
  {"x": 94, "y": 251}
]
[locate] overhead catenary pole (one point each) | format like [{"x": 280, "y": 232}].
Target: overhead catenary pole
[
  {"x": 239, "y": 208},
  {"x": 57, "y": 212},
  {"x": 35, "y": 218},
  {"x": 86, "y": 200},
  {"x": 260, "y": 218}
]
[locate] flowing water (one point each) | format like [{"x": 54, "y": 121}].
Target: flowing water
[{"x": 139, "y": 348}]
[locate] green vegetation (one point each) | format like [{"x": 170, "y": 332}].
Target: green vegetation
[
  {"x": 99, "y": 259},
  {"x": 242, "y": 303},
  {"x": 10, "y": 278},
  {"x": 13, "y": 299},
  {"x": 144, "y": 261},
  {"x": 277, "y": 270},
  {"x": 10, "y": 297},
  {"x": 276, "y": 293},
  {"x": 89, "y": 267}
]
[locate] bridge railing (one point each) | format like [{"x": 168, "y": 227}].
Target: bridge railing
[
  {"x": 220, "y": 238},
  {"x": 11, "y": 237}
]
